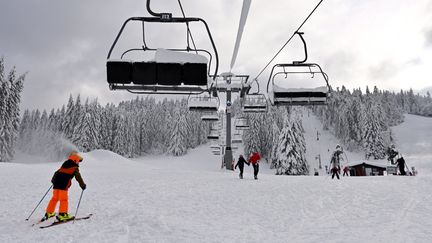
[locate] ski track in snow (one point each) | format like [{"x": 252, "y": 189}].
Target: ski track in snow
[{"x": 190, "y": 199}]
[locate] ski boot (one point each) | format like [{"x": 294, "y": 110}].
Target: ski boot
[
  {"x": 47, "y": 216},
  {"x": 64, "y": 217}
]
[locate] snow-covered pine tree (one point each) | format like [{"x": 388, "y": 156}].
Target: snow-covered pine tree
[
  {"x": 276, "y": 133},
  {"x": 119, "y": 145},
  {"x": 68, "y": 121},
  {"x": 86, "y": 134},
  {"x": 251, "y": 136},
  {"x": 24, "y": 128},
  {"x": 374, "y": 143},
  {"x": 355, "y": 108},
  {"x": 177, "y": 143},
  {"x": 10, "y": 98},
  {"x": 290, "y": 153},
  {"x": 107, "y": 127},
  {"x": 3, "y": 114}
]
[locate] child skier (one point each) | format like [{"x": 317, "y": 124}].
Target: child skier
[
  {"x": 345, "y": 170},
  {"x": 254, "y": 160},
  {"x": 61, "y": 183},
  {"x": 335, "y": 161},
  {"x": 240, "y": 163}
]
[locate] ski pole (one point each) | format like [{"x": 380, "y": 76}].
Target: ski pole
[
  {"x": 78, "y": 206},
  {"x": 39, "y": 203}
]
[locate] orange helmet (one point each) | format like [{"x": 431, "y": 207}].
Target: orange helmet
[{"x": 75, "y": 157}]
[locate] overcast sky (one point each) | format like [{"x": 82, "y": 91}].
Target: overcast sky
[{"x": 63, "y": 44}]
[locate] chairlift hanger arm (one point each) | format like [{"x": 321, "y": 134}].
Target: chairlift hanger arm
[
  {"x": 160, "y": 15},
  {"x": 305, "y": 48},
  {"x": 172, "y": 20}
]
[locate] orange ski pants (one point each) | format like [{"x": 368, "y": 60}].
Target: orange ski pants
[{"x": 58, "y": 195}]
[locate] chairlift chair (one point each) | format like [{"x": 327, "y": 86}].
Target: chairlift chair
[
  {"x": 241, "y": 123},
  {"x": 216, "y": 152},
  {"x": 214, "y": 132},
  {"x": 254, "y": 103},
  {"x": 306, "y": 83},
  {"x": 215, "y": 126},
  {"x": 236, "y": 140},
  {"x": 215, "y": 146},
  {"x": 213, "y": 136},
  {"x": 203, "y": 103},
  {"x": 173, "y": 71}
]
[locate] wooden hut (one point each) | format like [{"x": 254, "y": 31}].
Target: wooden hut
[{"x": 367, "y": 169}]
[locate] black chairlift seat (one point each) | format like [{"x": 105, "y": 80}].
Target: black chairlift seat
[
  {"x": 213, "y": 136},
  {"x": 157, "y": 73},
  {"x": 210, "y": 118},
  {"x": 254, "y": 103},
  {"x": 189, "y": 74},
  {"x": 290, "y": 96}
]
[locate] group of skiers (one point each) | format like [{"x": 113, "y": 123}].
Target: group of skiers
[
  {"x": 393, "y": 157},
  {"x": 62, "y": 178},
  {"x": 254, "y": 159}
]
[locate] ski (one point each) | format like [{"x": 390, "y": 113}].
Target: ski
[{"x": 62, "y": 222}]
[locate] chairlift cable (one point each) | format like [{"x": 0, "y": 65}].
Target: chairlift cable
[
  {"x": 286, "y": 43},
  {"x": 243, "y": 17},
  {"x": 188, "y": 29}
]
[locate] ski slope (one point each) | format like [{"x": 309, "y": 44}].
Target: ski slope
[{"x": 190, "y": 199}]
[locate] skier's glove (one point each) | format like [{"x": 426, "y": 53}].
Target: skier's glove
[{"x": 83, "y": 186}]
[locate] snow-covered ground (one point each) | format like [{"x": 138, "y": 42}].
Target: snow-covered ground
[{"x": 190, "y": 199}]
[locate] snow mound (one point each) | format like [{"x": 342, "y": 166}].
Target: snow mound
[{"x": 101, "y": 155}]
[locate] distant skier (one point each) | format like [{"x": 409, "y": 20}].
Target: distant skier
[
  {"x": 401, "y": 164},
  {"x": 345, "y": 170},
  {"x": 335, "y": 161},
  {"x": 254, "y": 160},
  {"x": 61, "y": 183},
  {"x": 392, "y": 153},
  {"x": 413, "y": 170},
  {"x": 240, "y": 163}
]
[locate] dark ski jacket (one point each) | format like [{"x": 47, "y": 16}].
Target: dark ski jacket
[
  {"x": 240, "y": 163},
  {"x": 335, "y": 160},
  {"x": 401, "y": 164},
  {"x": 63, "y": 176}
]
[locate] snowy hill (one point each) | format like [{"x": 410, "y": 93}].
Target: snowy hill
[
  {"x": 324, "y": 146},
  {"x": 190, "y": 199}
]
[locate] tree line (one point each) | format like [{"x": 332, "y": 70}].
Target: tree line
[{"x": 131, "y": 128}]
